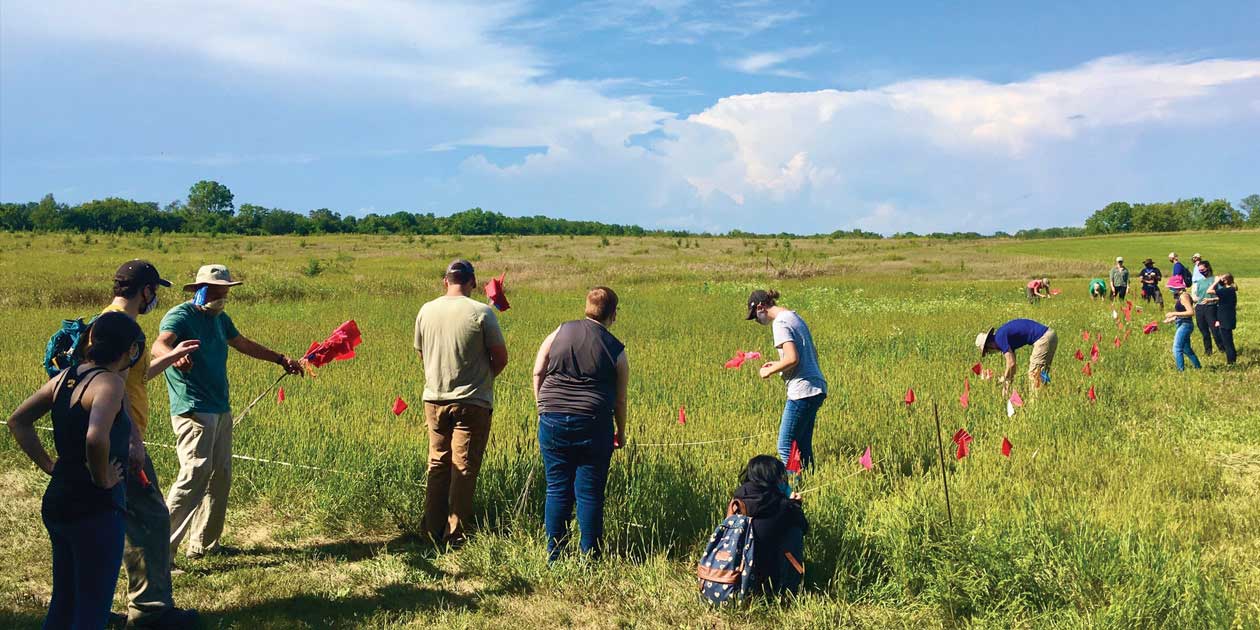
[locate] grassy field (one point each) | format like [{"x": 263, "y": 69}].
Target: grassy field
[{"x": 1141, "y": 509}]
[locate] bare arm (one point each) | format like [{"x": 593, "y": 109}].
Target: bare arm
[
  {"x": 1008, "y": 376},
  {"x": 105, "y": 395},
  {"x": 540, "y": 362},
  {"x": 619, "y": 411},
  {"x": 22, "y": 425},
  {"x": 253, "y": 349},
  {"x": 159, "y": 362},
  {"x": 164, "y": 345},
  {"x": 498, "y": 359},
  {"x": 787, "y": 361}
]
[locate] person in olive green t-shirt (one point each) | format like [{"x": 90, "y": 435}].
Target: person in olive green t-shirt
[
  {"x": 459, "y": 342},
  {"x": 201, "y": 416},
  {"x": 1119, "y": 280}
]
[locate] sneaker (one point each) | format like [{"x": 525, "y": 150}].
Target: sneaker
[
  {"x": 172, "y": 619},
  {"x": 176, "y": 570}
]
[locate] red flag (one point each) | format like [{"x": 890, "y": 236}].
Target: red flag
[
  {"x": 962, "y": 440},
  {"x": 1150, "y": 328},
  {"x": 1091, "y": 395},
  {"x": 494, "y": 291},
  {"x": 399, "y": 406},
  {"x": 1015, "y": 399},
  {"x": 1085, "y": 336},
  {"x": 794, "y": 459},
  {"x": 1116, "y": 343},
  {"x": 280, "y": 395},
  {"x": 1006, "y": 447},
  {"x": 751, "y": 356},
  {"x": 1055, "y": 291},
  {"x": 865, "y": 459},
  {"x": 339, "y": 346},
  {"x": 1093, "y": 352},
  {"x": 682, "y": 415},
  {"x": 1080, "y": 356},
  {"x": 910, "y": 396},
  {"x": 976, "y": 369},
  {"x": 965, "y": 399},
  {"x": 1128, "y": 310},
  {"x": 1087, "y": 370}
]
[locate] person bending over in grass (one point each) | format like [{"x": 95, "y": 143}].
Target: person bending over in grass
[
  {"x": 1097, "y": 289},
  {"x": 1183, "y": 315},
  {"x": 798, "y": 364},
  {"x": 1037, "y": 289},
  {"x": 1014, "y": 335},
  {"x": 1151, "y": 277},
  {"x": 778, "y": 523},
  {"x": 1226, "y": 314},
  {"x": 85, "y": 500},
  {"x": 197, "y": 386},
  {"x": 459, "y": 341},
  {"x": 580, "y": 377}
]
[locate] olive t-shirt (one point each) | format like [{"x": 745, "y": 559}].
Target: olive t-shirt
[
  {"x": 454, "y": 335},
  {"x": 204, "y": 388}
]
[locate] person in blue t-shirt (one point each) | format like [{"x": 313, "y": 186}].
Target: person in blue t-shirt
[
  {"x": 1179, "y": 269},
  {"x": 1016, "y": 334}
]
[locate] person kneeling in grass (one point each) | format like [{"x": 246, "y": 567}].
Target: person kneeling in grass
[
  {"x": 778, "y": 523},
  {"x": 1016, "y": 334},
  {"x": 1097, "y": 289}
]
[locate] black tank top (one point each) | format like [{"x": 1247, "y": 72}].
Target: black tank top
[
  {"x": 581, "y": 374},
  {"x": 71, "y": 493}
]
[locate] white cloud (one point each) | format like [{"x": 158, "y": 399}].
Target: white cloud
[{"x": 770, "y": 62}]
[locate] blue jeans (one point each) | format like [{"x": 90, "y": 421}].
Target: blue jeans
[
  {"x": 86, "y": 556},
  {"x": 798, "y": 424},
  {"x": 576, "y": 452},
  {"x": 1181, "y": 344}
]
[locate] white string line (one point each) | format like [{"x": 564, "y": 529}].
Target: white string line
[
  {"x": 844, "y": 478},
  {"x": 734, "y": 439}
]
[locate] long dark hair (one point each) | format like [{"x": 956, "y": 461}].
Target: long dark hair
[
  {"x": 1206, "y": 265},
  {"x": 112, "y": 336},
  {"x": 763, "y": 470}
]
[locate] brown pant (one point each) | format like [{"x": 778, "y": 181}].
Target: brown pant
[{"x": 458, "y": 433}]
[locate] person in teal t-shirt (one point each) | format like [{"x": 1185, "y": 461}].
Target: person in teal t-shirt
[
  {"x": 1097, "y": 288},
  {"x": 201, "y": 414}
]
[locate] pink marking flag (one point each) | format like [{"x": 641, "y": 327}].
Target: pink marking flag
[
  {"x": 977, "y": 368},
  {"x": 1150, "y": 328},
  {"x": 794, "y": 459},
  {"x": 1015, "y": 399},
  {"x": 339, "y": 346},
  {"x": 1087, "y": 370},
  {"x": 910, "y": 396},
  {"x": 965, "y": 399},
  {"x": 682, "y": 415},
  {"x": 1093, "y": 352},
  {"x": 399, "y": 406},
  {"x": 1055, "y": 291},
  {"x": 865, "y": 459},
  {"x": 280, "y": 395},
  {"x": 752, "y": 356},
  {"x": 1085, "y": 336},
  {"x": 1006, "y": 447},
  {"x": 494, "y": 291},
  {"x": 1116, "y": 343},
  {"x": 1091, "y": 395}
]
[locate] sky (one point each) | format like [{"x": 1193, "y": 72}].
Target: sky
[{"x": 703, "y": 115}]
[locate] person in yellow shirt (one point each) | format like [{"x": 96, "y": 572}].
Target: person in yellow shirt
[{"x": 146, "y": 553}]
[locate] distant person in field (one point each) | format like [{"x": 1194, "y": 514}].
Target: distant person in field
[
  {"x": 1151, "y": 277},
  {"x": 147, "y": 553},
  {"x": 1037, "y": 289},
  {"x": 1183, "y": 316},
  {"x": 798, "y": 365},
  {"x": 1179, "y": 269},
  {"x": 1226, "y": 314},
  {"x": 1196, "y": 274},
  {"x": 779, "y": 526},
  {"x": 1097, "y": 289},
  {"x": 459, "y": 341},
  {"x": 1205, "y": 306},
  {"x": 85, "y": 501},
  {"x": 201, "y": 413},
  {"x": 1119, "y": 280},
  {"x": 1014, "y": 335},
  {"x": 581, "y": 374}
]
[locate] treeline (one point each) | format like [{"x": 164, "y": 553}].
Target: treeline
[
  {"x": 1172, "y": 216},
  {"x": 210, "y": 208}
]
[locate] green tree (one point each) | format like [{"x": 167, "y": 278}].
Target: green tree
[
  {"x": 1214, "y": 215},
  {"x": 48, "y": 215},
  {"x": 210, "y": 197},
  {"x": 1251, "y": 205},
  {"x": 1117, "y": 217}
]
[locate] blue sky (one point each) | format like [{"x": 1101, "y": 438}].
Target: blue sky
[{"x": 766, "y": 116}]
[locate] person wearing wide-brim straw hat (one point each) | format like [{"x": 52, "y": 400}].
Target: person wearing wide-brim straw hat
[
  {"x": 1016, "y": 334},
  {"x": 197, "y": 386}
]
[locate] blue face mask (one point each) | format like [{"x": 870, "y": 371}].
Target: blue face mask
[{"x": 151, "y": 305}]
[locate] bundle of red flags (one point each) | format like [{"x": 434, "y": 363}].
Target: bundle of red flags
[
  {"x": 1150, "y": 328},
  {"x": 794, "y": 459},
  {"x": 740, "y": 358},
  {"x": 962, "y": 440},
  {"x": 494, "y": 291},
  {"x": 339, "y": 346}
]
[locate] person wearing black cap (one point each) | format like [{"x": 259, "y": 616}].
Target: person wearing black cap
[
  {"x": 85, "y": 500},
  {"x": 146, "y": 555},
  {"x": 459, "y": 341},
  {"x": 798, "y": 364}
]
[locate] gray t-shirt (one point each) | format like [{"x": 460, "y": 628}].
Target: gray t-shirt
[{"x": 805, "y": 379}]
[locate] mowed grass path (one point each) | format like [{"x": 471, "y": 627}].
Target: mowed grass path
[{"x": 1141, "y": 509}]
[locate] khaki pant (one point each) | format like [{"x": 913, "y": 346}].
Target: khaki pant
[
  {"x": 147, "y": 552},
  {"x": 198, "y": 498},
  {"x": 458, "y": 433},
  {"x": 1042, "y": 356}
]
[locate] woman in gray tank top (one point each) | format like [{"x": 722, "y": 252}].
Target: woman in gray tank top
[{"x": 580, "y": 377}]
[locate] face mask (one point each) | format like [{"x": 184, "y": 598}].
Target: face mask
[
  {"x": 763, "y": 318},
  {"x": 150, "y": 305},
  {"x": 215, "y": 307},
  {"x": 136, "y": 352}
]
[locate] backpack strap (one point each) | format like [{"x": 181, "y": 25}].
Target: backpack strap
[
  {"x": 796, "y": 564},
  {"x": 736, "y": 506}
]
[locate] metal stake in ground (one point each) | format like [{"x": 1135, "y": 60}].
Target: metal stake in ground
[
  {"x": 237, "y": 419},
  {"x": 940, "y": 450}
]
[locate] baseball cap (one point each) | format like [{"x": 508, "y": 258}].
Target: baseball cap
[
  {"x": 757, "y": 298},
  {"x": 461, "y": 267},
  {"x": 1172, "y": 254},
  {"x": 1196, "y": 255},
  {"x": 139, "y": 273},
  {"x": 1119, "y": 258},
  {"x": 212, "y": 274}
]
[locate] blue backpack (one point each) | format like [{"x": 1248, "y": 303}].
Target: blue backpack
[
  {"x": 66, "y": 346},
  {"x": 725, "y": 569}
]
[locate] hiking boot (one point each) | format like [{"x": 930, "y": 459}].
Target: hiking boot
[
  {"x": 172, "y": 619},
  {"x": 116, "y": 620}
]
